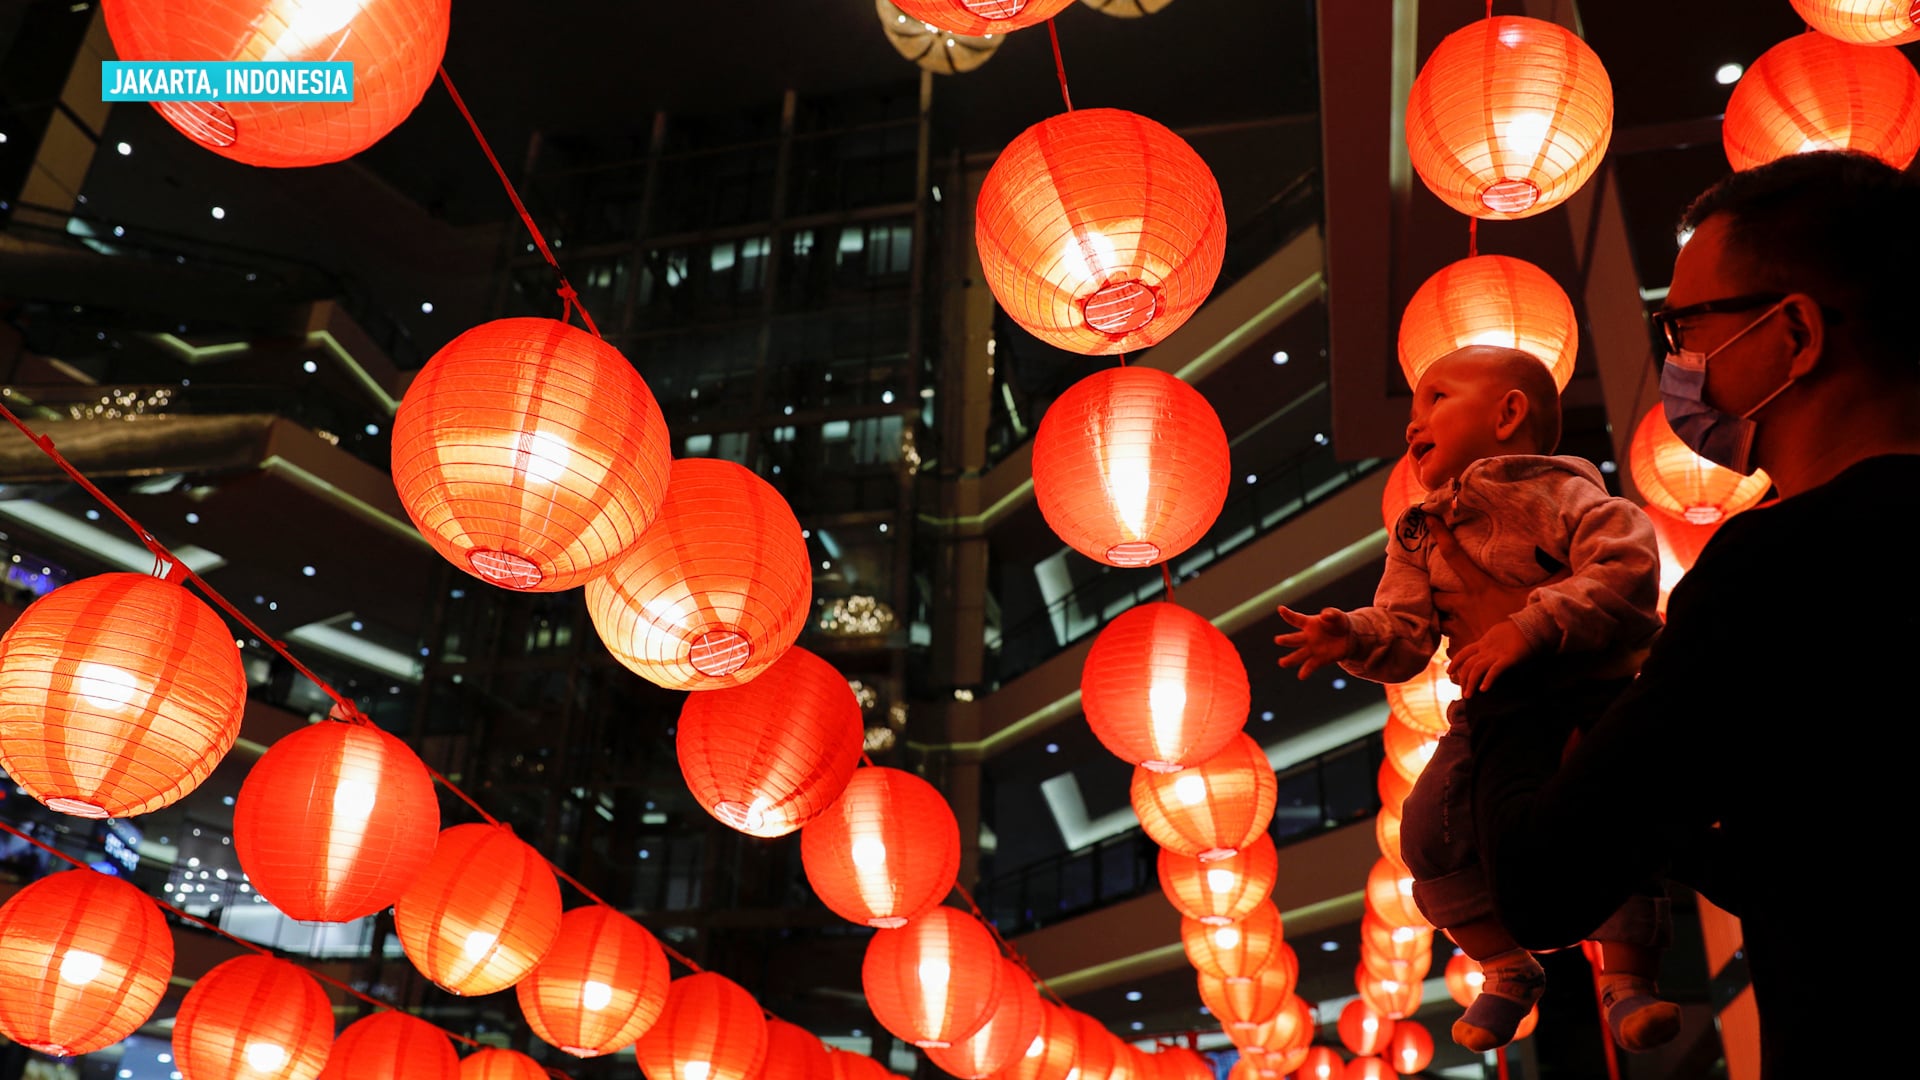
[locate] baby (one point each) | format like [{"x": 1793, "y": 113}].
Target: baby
[{"x": 1484, "y": 423}]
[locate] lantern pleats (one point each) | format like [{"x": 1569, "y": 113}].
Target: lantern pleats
[
  {"x": 1095, "y": 1047},
  {"x": 1053, "y": 1053},
  {"x": 768, "y": 757},
  {"x": 530, "y": 454},
  {"x": 983, "y": 16},
  {"x": 1236, "y": 950},
  {"x": 1387, "y": 941},
  {"x": 1393, "y": 787},
  {"x": 1421, "y": 702},
  {"x": 1099, "y": 231},
  {"x": 1404, "y": 490},
  {"x": 1210, "y": 810},
  {"x": 794, "y": 1053},
  {"x": 1008, "y": 1034},
  {"x": 1394, "y": 998},
  {"x": 711, "y": 1030},
  {"x": 1410, "y": 1050},
  {"x": 1163, "y": 687},
  {"x": 715, "y": 591},
  {"x": 1364, "y": 1030},
  {"x": 394, "y": 46},
  {"x": 1463, "y": 978},
  {"x": 1386, "y": 832},
  {"x": 1321, "y": 1063},
  {"x": 1402, "y": 964},
  {"x": 848, "y": 1065},
  {"x": 601, "y": 985},
  {"x": 1408, "y": 748},
  {"x": 1369, "y": 1068},
  {"x": 491, "y": 1064},
  {"x": 1812, "y": 92},
  {"x": 84, "y": 961},
  {"x": 1220, "y": 892},
  {"x": 253, "y": 1018},
  {"x": 1680, "y": 543},
  {"x": 1671, "y": 477},
  {"x": 119, "y": 694},
  {"x": 1245, "y": 1004},
  {"x": 1509, "y": 117},
  {"x": 482, "y": 914},
  {"x": 1180, "y": 1063},
  {"x": 335, "y": 821},
  {"x": 391, "y": 1044},
  {"x": 1390, "y": 896},
  {"x": 887, "y": 850},
  {"x": 1130, "y": 466},
  {"x": 934, "y": 981},
  {"x": 1489, "y": 300},
  {"x": 1289, "y": 1029},
  {"x": 1862, "y": 22}
]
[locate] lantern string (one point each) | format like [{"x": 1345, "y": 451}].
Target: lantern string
[
  {"x": 1166, "y": 576},
  {"x": 1473, "y": 236},
  {"x": 866, "y": 760},
  {"x": 468, "y": 799},
  {"x": 1059, "y": 65},
  {"x": 569, "y": 297},
  {"x": 1006, "y": 947}
]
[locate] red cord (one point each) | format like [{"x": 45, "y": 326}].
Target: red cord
[
  {"x": 1166, "y": 575},
  {"x": 1473, "y": 236},
  {"x": 1006, "y": 946},
  {"x": 1059, "y": 65}
]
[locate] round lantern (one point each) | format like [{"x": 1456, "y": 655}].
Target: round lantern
[
  {"x": 1099, "y": 230},
  {"x": 1403, "y": 492},
  {"x": 1680, "y": 544},
  {"x": 491, "y": 1064},
  {"x": 847, "y": 1065},
  {"x": 1163, "y": 688},
  {"x": 1408, "y": 748},
  {"x": 1321, "y": 1063},
  {"x": 1402, "y": 964},
  {"x": 1126, "y": 9},
  {"x": 715, "y": 591},
  {"x": 1394, "y": 998},
  {"x": 1509, "y": 117},
  {"x": 1527, "y": 1024},
  {"x": 253, "y": 1018},
  {"x": 1053, "y": 1053},
  {"x": 601, "y": 985},
  {"x": 1369, "y": 1068},
  {"x": 885, "y": 851},
  {"x": 1007, "y": 1035},
  {"x": 1411, "y": 1048},
  {"x": 391, "y": 1044},
  {"x": 1393, "y": 787},
  {"x": 929, "y": 46},
  {"x": 1671, "y": 477},
  {"x": 1386, "y": 833},
  {"x": 335, "y": 821},
  {"x": 1464, "y": 979},
  {"x": 1248, "y": 1003},
  {"x": 1130, "y": 466},
  {"x": 770, "y": 756},
  {"x": 794, "y": 1053},
  {"x": 1812, "y": 92},
  {"x": 1863, "y": 22},
  {"x": 119, "y": 694},
  {"x": 1096, "y": 1050},
  {"x": 983, "y": 16},
  {"x": 1210, "y": 810},
  {"x": 1220, "y": 892},
  {"x": 710, "y": 1030},
  {"x": 482, "y": 914},
  {"x": 1179, "y": 1063},
  {"x": 1238, "y": 950},
  {"x": 1387, "y": 941},
  {"x": 1489, "y": 300},
  {"x": 84, "y": 961},
  {"x": 1364, "y": 1030},
  {"x": 1289, "y": 1029},
  {"x": 1421, "y": 702},
  {"x": 530, "y": 454},
  {"x": 934, "y": 981},
  {"x": 394, "y": 46},
  {"x": 1390, "y": 896}
]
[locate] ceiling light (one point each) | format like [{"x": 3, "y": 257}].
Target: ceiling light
[
  {"x": 1133, "y": 995},
  {"x": 219, "y": 213},
  {"x": 426, "y": 307},
  {"x": 310, "y": 367},
  {"x": 1281, "y": 357},
  {"x": 124, "y": 149},
  {"x": 1053, "y": 748},
  {"x": 306, "y": 571},
  {"x": 1725, "y": 75}
]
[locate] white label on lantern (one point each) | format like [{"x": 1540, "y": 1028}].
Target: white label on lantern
[
  {"x": 595, "y": 996},
  {"x": 80, "y": 967}
]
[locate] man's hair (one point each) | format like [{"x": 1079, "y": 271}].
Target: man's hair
[{"x": 1843, "y": 227}]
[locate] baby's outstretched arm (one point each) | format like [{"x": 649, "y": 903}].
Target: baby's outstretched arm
[{"x": 1318, "y": 640}]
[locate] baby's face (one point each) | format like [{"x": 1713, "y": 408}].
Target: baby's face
[{"x": 1456, "y": 409}]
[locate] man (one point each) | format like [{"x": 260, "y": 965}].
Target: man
[{"x": 1763, "y": 737}]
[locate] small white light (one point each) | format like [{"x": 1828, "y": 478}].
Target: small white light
[
  {"x": 119, "y": 230},
  {"x": 310, "y": 367},
  {"x": 1609, "y": 467},
  {"x": 426, "y": 307},
  {"x": 1268, "y": 715},
  {"x": 826, "y": 564},
  {"x": 93, "y": 515},
  {"x": 1281, "y": 357},
  {"x": 357, "y": 624},
  {"x": 1252, "y": 478},
  {"x": 1728, "y": 74},
  {"x": 373, "y": 429},
  {"x": 1053, "y": 748},
  {"x": 1133, "y": 995},
  {"x": 1320, "y": 438},
  {"x": 124, "y": 149},
  {"x": 883, "y": 526},
  {"x": 1329, "y": 946},
  {"x": 306, "y": 571},
  {"x": 219, "y": 213},
  {"x": 193, "y": 518},
  {"x": 1683, "y": 236},
  {"x": 1339, "y": 684},
  {"x": 886, "y": 397},
  {"x": 788, "y": 411}
]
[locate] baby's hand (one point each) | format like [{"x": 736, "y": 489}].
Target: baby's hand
[
  {"x": 1321, "y": 639},
  {"x": 1475, "y": 666}
]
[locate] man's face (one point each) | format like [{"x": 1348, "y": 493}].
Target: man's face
[{"x": 1740, "y": 375}]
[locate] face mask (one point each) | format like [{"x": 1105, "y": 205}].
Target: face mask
[{"x": 1720, "y": 437}]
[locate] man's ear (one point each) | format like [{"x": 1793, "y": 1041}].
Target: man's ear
[
  {"x": 1511, "y": 414},
  {"x": 1806, "y": 325}
]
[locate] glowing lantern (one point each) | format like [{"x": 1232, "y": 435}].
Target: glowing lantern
[
  {"x": 119, "y": 694},
  {"x": 1394, "y": 998},
  {"x": 1321, "y": 1063},
  {"x": 1509, "y": 117},
  {"x": 1812, "y": 92},
  {"x": 1179, "y": 1063},
  {"x": 1393, "y": 787},
  {"x": 1489, "y": 300},
  {"x": 1408, "y": 748},
  {"x": 394, "y": 46},
  {"x": 1680, "y": 544},
  {"x": 491, "y": 1064},
  {"x": 1409, "y": 964},
  {"x": 389, "y": 1044},
  {"x": 1464, "y": 979},
  {"x": 1238, "y": 950},
  {"x": 253, "y": 1018},
  {"x": 1096, "y": 1050},
  {"x": 1527, "y": 1024},
  {"x": 1411, "y": 1048},
  {"x": 1671, "y": 477},
  {"x": 931, "y": 47},
  {"x": 887, "y": 850},
  {"x": 1289, "y": 1029},
  {"x": 1007, "y": 1035},
  {"x": 1221, "y": 891},
  {"x": 1163, "y": 688},
  {"x": 715, "y": 591},
  {"x": 1403, "y": 491},
  {"x": 335, "y": 821},
  {"x": 1364, "y": 1030},
  {"x": 1388, "y": 942},
  {"x": 1248, "y": 1003},
  {"x": 1421, "y": 702},
  {"x": 1863, "y": 22},
  {"x": 1053, "y": 1053},
  {"x": 1099, "y": 230},
  {"x": 793, "y": 1053},
  {"x": 770, "y": 756},
  {"x": 1369, "y": 1068},
  {"x": 84, "y": 961},
  {"x": 1130, "y": 466},
  {"x": 482, "y": 914},
  {"x": 934, "y": 981},
  {"x": 711, "y": 1030},
  {"x": 851, "y": 1066},
  {"x": 1210, "y": 810},
  {"x": 1390, "y": 896},
  {"x": 983, "y": 16},
  {"x": 601, "y": 985},
  {"x": 1386, "y": 832}
]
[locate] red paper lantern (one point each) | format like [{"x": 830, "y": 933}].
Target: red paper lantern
[
  {"x": 601, "y": 985},
  {"x": 710, "y": 1030},
  {"x": 1364, "y": 1030},
  {"x": 84, "y": 961},
  {"x": 1290, "y": 1029},
  {"x": 1422, "y": 702},
  {"x": 1053, "y": 1053},
  {"x": 1509, "y": 117},
  {"x": 392, "y": 1044},
  {"x": 1007, "y": 1035},
  {"x": 1238, "y": 950},
  {"x": 1464, "y": 979},
  {"x": 1221, "y": 891},
  {"x": 1812, "y": 92},
  {"x": 851, "y": 1066},
  {"x": 887, "y": 850},
  {"x": 1527, "y": 1024},
  {"x": 1863, "y": 22},
  {"x": 1163, "y": 688},
  {"x": 1386, "y": 833},
  {"x": 1411, "y": 1048},
  {"x": 1489, "y": 300},
  {"x": 1411, "y": 964},
  {"x": 335, "y": 821},
  {"x": 1369, "y": 1068},
  {"x": 1096, "y": 1050},
  {"x": 1321, "y": 1063},
  {"x": 119, "y": 694},
  {"x": 1287, "y": 1062},
  {"x": 934, "y": 981},
  {"x": 253, "y": 1018},
  {"x": 1408, "y": 748},
  {"x": 1392, "y": 941},
  {"x": 1680, "y": 544},
  {"x": 1130, "y": 466},
  {"x": 530, "y": 454},
  {"x": 715, "y": 591},
  {"x": 1395, "y": 998},
  {"x": 1099, "y": 231},
  {"x": 770, "y": 756},
  {"x": 1390, "y": 896},
  {"x": 1403, "y": 491},
  {"x": 981, "y": 17},
  {"x": 1246, "y": 1004},
  {"x": 1671, "y": 477},
  {"x": 482, "y": 914},
  {"x": 1179, "y": 1063},
  {"x": 394, "y": 46},
  {"x": 793, "y": 1053},
  {"x": 493, "y": 1064},
  {"x": 932, "y": 48},
  {"x": 1210, "y": 810},
  {"x": 1393, "y": 787}
]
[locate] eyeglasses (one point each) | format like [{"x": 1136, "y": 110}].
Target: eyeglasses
[{"x": 1666, "y": 321}]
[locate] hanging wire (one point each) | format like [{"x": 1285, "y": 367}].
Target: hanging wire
[
  {"x": 1006, "y": 947},
  {"x": 1059, "y": 65},
  {"x": 1166, "y": 576},
  {"x": 1473, "y": 236}
]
